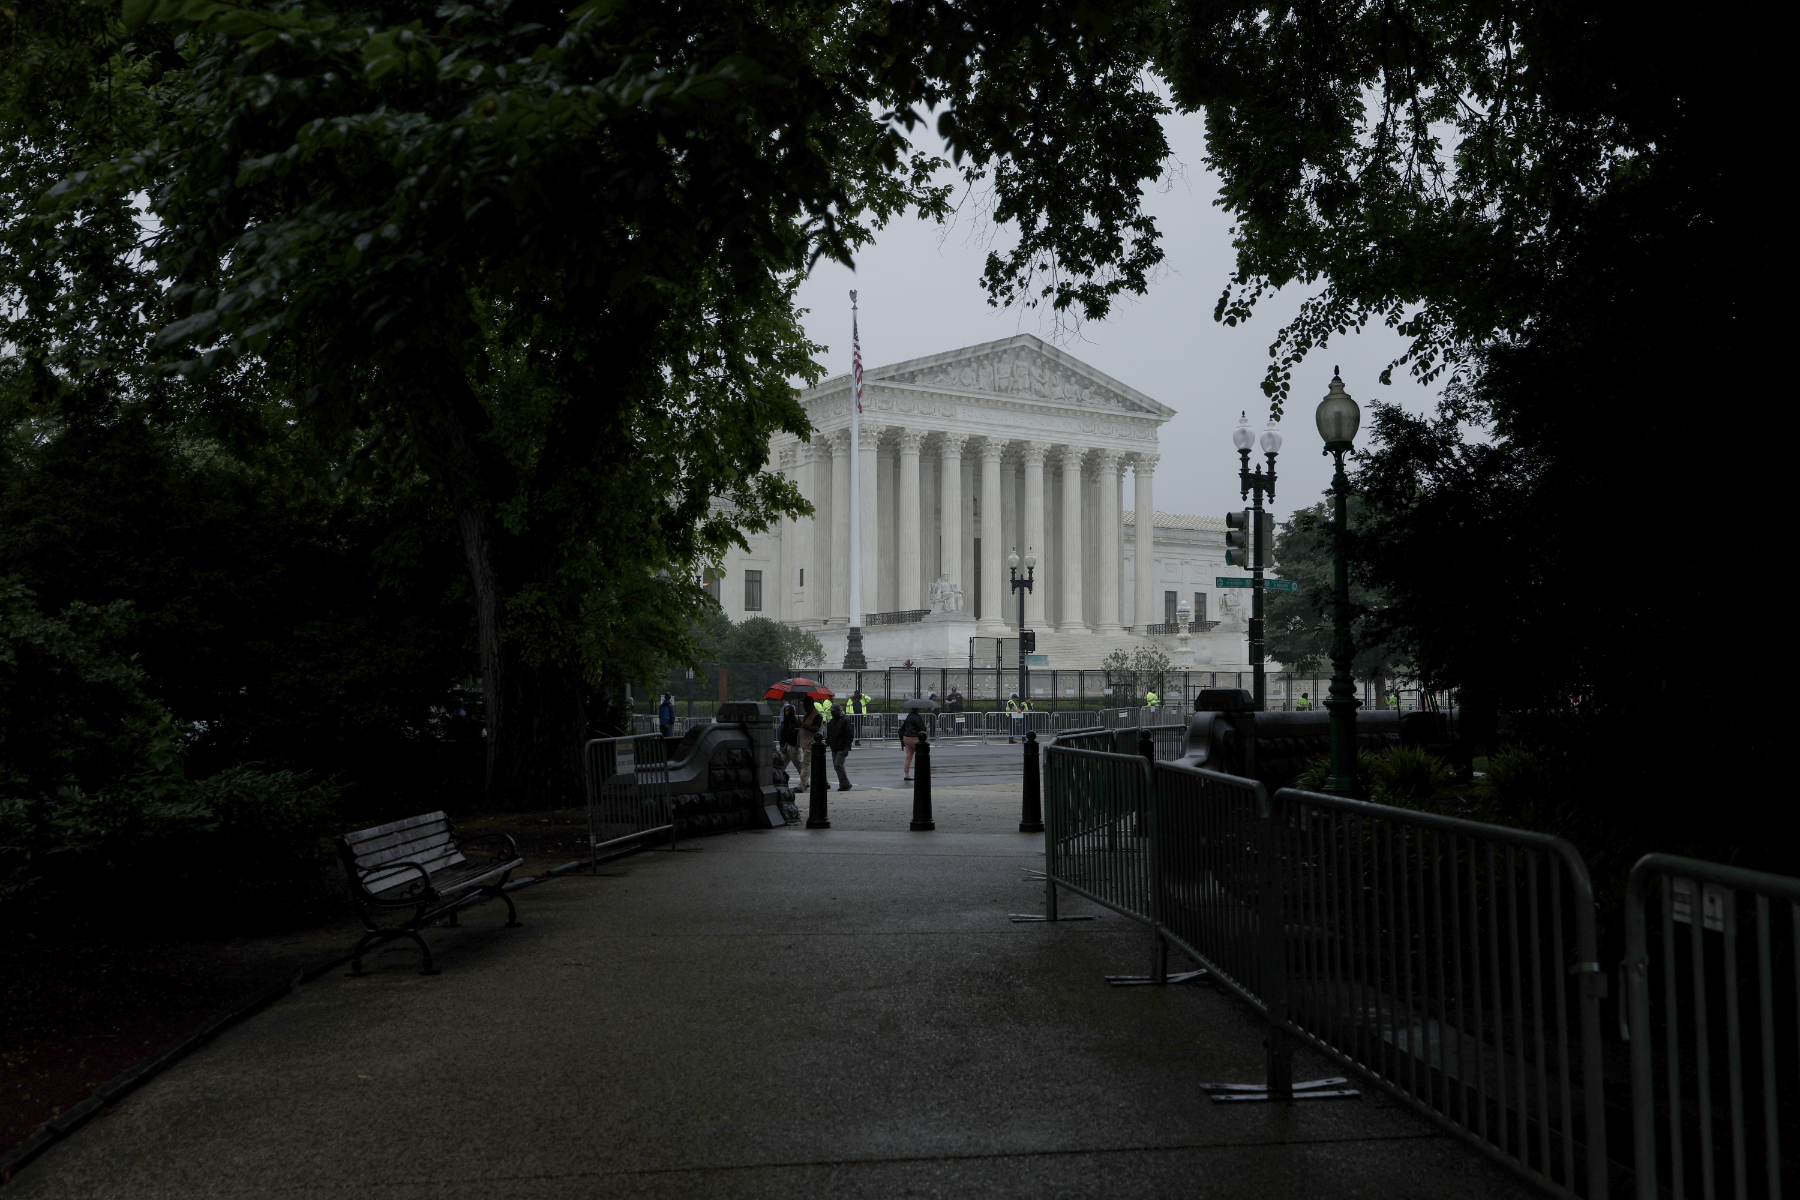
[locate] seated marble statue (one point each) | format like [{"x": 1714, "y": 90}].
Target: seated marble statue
[{"x": 945, "y": 596}]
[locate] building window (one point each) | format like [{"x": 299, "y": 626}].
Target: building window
[
  {"x": 802, "y": 576},
  {"x": 710, "y": 580},
  {"x": 1168, "y": 608},
  {"x": 752, "y": 591},
  {"x": 1199, "y": 606}
]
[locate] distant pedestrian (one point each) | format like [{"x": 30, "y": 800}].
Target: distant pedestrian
[
  {"x": 859, "y": 708},
  {"x": 665, "y": 715},
  {"x": 839, "y": 735},
  {"x": 911, "y": 730},
  {"x": 931, "y": 719},
  {"x": 1303, "y": 703},
  {"x": 812, "y": 727},
  {"x": 789, "y": 737},
  {"x": 953, "y": 703}
]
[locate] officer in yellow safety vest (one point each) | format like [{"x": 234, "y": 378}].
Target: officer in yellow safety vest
[
  {"x": 1303, "y": 703},
  {"x": 1151, "y": 699},
  {"x": 859, "y": 704},
  {"x": 1015, "y": 711}
]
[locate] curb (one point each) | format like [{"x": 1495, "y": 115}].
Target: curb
[{"x": 123, "y": 1084}]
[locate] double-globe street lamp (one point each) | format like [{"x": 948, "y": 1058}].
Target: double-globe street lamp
[{"x": 1339, "y": 418}]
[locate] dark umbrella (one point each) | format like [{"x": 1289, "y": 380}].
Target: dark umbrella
[
  {"x": 921, "y": 705},
  {"x": 787, "y": 689}
]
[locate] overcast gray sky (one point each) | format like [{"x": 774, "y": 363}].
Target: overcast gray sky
[{"x": 920, "y": 293}]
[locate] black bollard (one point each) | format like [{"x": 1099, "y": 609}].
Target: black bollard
[
  {"x": 922, "y": 787},
  {"x": 1031, "y": 820},
  {"x": 815, "y": 817}
]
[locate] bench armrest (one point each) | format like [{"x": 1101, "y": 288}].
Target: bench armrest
[{"x": 506, "y": 854}]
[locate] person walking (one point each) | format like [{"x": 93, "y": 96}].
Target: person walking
[
  {"x": 812, "y": 726},
  {"x": 789, "y": 740},
  {"x": 839, "y": 736},
  {"x": 931, "y": 718},
  {"x": 665, "y": 714},
  {"x": 1015, "y": 716},
  {"x": 911, "y": 730}
]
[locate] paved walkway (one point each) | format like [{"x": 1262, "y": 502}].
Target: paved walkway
[{"x": 841, "y": 1013}]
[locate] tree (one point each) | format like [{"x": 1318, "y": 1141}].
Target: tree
[
  {"x": 547, "y": 257},
  {"x": 1132, "y": 673},
  {"x": 1556, "y": 205},
  {"x": 760, "y": 640},
  {"x": 1299, "y": 624}
]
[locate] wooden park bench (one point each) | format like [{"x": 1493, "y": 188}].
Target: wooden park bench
[{"x": 419, "y": 864}]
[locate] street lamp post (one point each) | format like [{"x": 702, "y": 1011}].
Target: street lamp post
[
  {"x": 1257, "y": 483},
  {"x": 1339, "y": 418},
  {"x": 1020, "y": 587}
]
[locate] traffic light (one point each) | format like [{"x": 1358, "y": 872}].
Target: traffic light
[
  {"x": 1237, "y": 538},
  {"x": 1265, "y": 538},
  {"x": 1028, "y": 641}
]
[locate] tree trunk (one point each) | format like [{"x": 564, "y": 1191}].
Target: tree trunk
[{"x": 536, "y": 711}]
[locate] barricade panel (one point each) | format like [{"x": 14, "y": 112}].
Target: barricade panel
[
  {"x": 1712, "y": 1005},
  {"x": 627, "y": 790}
]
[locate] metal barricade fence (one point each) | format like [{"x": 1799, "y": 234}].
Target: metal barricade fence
[
  {"x": 1170, "y": 741},
  {"x": 1713, "y": 1003},
  {"x": 1455, "y": 963},
  {"x": 627, "y": 790},
  {"x": 1096, "y": 829}
]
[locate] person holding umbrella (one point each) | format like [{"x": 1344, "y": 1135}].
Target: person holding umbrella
[{"x": 789, "y": 740}]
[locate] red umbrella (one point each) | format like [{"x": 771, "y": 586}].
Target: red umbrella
[{"x": 787, "y": 689}]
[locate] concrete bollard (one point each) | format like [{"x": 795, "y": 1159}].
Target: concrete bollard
[
  {"x": 922, "y": 787},
  {"x": 1031, "y": 819},
  {"x": 815, "y": 817}
]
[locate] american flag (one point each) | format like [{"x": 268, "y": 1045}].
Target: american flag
[{"x": 856, "y": 359}]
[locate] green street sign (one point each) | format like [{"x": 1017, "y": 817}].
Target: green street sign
[{"x": 1269, "y": 585}]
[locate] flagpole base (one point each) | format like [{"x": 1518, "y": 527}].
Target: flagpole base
[{"x": 853, "y": 653}]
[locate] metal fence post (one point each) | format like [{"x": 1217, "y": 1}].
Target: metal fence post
[
  {"x": 1031, "y": 820},
  {"x": 815, "y": 817},
  {"x": 1159, "y": 945},
  {"x": 921, "y": 818},
  {"x": 1271, "y": 931}
]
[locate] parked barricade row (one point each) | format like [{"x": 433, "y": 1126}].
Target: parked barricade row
[{"x": 1450, "y": 961}]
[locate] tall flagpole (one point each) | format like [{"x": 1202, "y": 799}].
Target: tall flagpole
[{"x": 853, "y": 650}]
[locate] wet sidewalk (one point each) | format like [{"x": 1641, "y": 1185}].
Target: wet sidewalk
[{"x": 785, "y": 1013}]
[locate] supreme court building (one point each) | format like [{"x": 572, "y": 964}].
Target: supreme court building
[{"x": 965, "y": 456}]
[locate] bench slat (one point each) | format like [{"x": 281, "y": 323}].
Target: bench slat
[
  {"x": 402, "y": 838},
  {"x": 363, "y": 835},
  {"x": 382, "y": 879},
  {"x": 416, "y": 851}
]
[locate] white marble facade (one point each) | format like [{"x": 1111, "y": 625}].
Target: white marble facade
[{"x": 964, "y": 456}]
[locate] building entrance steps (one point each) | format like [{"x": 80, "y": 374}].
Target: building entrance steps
[{"x": 840, "y": 1013}]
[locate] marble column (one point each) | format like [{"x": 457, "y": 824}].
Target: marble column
[
  {"x": 1111, "y": 534},
  {"x": 869, "y": 514},
  {"x": 1074, "y": 616},
  {"x": 908, "y": 551},
  {"x": 1143, "y": 543},
  {"x": 815, "y": 475},
  {"x": 1032, "y": 526},
  {"x": 837, "y": 566},
  {"x": 778, "y": 591},
  {"x": 951, "y": 505},
  {"x": 994, "y": 594}
]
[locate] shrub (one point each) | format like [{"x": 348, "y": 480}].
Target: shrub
[{"x": 1407, "y": 775}]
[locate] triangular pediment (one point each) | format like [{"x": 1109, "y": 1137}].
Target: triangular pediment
[{"x": 1023, "y": 367}]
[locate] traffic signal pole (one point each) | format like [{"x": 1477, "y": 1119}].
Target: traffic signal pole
[{"x": 1258, "y": 531}]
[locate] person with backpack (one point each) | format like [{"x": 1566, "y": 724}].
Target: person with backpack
[
  {"x": 911, "y": 730},
  {"x": 665, "y": 715},
  {"x": 840, "y": 734}
]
